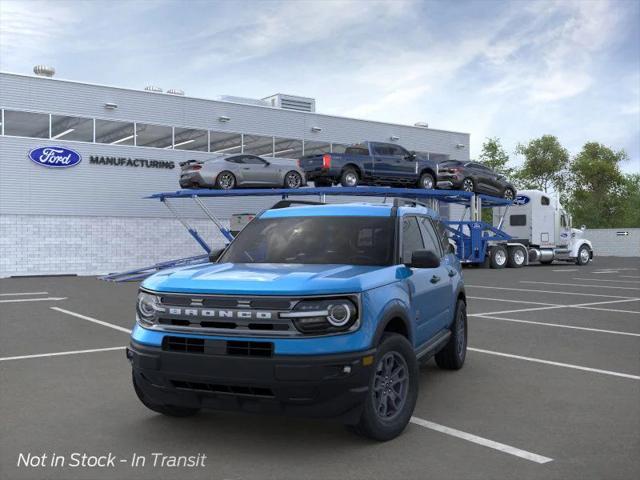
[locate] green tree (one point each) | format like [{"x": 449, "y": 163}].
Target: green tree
[
  {"x": 630, "y": 215},
  {"x": 495, "y": 157},
  {"x": 598, "y": 190},
  {"x": 545, "y": 164}
]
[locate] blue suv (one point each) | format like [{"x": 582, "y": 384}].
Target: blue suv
[{"x": 314, "y": 310}]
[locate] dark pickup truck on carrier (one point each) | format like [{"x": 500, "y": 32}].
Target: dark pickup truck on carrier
[{"x": 371, "y": 163}]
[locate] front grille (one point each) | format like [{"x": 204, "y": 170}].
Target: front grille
[
  {"x": 217, "y": 347},
  {"x": 228, "y": 389}
]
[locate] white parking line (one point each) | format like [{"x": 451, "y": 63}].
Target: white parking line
[
  {"x": 90, "y": 319},
  {"x": 529, "y": 290},
  {"x": 521, "y": 310},
  {"x": 23, "y": 293},
  {"x": 469, "y": 437},
  {"x": 57, "y": 354},
  {"x": 580, "y": 285},
  {"x": 559, "y": 325},
  {"x": 47, "y": 299},
  {"x": 556, "y": 364},
  {"x": 629, "y": 276},
  {"x": 566, "y": 270},
  {"x": 551, "y": 306},
  {"x": 512, "y": 301},
  {"x": 603, "y": 280}
]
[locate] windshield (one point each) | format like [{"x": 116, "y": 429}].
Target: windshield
[{"x": 314, "y": 240}]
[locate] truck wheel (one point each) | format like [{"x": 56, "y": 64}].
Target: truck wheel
[
  {"x": 169, "y": 410},
  {"x": 452, "y": 356},
  {"x": 584, "y": 255},
  {"x": 498, "y": 256},
  {"x": 393, "y": 390},
  {"x": 427, "y": 181},
  {"x": 225, "y": 180},
  {"x": 349, "y": 178},
  {"x": 517, "y": 257}
]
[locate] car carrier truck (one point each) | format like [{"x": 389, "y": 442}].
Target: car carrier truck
[{"x": 540, "y": 231}]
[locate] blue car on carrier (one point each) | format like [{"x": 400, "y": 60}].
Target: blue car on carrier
[{"x": 315, "y": 310}]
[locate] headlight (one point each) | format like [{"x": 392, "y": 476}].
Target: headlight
[
  {"x": 147, "y": 307},
  {"x": 331, "y": 315}
]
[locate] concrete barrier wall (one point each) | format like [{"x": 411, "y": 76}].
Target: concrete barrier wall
[{"x": 615, "y": 242}]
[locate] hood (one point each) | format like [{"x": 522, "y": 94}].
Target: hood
[{"x": 271, "y": 279}]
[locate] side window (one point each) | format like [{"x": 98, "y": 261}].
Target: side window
[
  {"x": 431, "y": 241},
  {"x": 253, "y": 160},
  {"x": 411, "y": 238},
  {"x": 563, "y": 221},
  {"x": 397, "y": 151},
  {"x": 238, "y": 159},
  {"x": 381, "y": 149},
  {"x": 441, "y": 233},
  {"x": 518, "y": 220},
  {"x": 545, "y": 201}
]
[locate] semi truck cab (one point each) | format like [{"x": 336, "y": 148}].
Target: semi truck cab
[{"x": 538, "y": 223}]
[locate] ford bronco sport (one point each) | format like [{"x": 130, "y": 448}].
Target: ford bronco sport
[{"x": 315, "y": 310}]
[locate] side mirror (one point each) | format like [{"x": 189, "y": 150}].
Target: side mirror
[
  {"x": 411, "y": 156},
  {"x": 424, "y": 259},
  {"x": 214, "y": 255}
]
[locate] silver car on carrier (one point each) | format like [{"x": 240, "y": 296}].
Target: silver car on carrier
[{"x": 241, "y": 170}]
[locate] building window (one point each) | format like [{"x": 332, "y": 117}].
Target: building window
[
  {"x": 71, "y": 128},
  {"x": 158, "y": 136},
  {"x": 316, "y": 148},
  {"x": 191, "y": 139},
  {"x": 114, "y": 133},
  {"x": 26, "y": 124},
  {"x": 224, "y": 142},
  {"x": 258, "y": 145},
  {"x": 287, "y": 148},
  {"x": 545, "y": 201}
]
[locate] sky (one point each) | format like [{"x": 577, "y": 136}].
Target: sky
[{"x": 514, "y": 70}]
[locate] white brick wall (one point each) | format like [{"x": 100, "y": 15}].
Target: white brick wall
[
  {"x": 44, "y": 245},
  {"x": 607, "y": 242}
]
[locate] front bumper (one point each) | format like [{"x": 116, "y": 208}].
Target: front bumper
[
  {"x": 313, "y": 386},
  {"x": 449, "y": 181}
]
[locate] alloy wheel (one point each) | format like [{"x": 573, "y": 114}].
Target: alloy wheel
[
  {"x": 293, "y": 180},
  {"x": 226, "y": 181},
  {"x": 508, "y": 194},
  {"x": 467, "y": 185},
  {"x": 351, "y": 179},
  {"x": 390, "y": 385}
]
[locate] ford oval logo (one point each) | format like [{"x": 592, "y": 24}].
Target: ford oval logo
[
  {"x": 521, "y": 200},
  {"x": 55, "y": 157}
]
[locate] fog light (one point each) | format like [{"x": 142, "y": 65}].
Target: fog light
[{"x": 368, "y": 360}]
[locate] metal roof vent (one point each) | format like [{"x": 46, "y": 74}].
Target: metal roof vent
[
  {"x": 175, "y": 91},
  {"x": 151, "y": 88},
  {"x": 421, "y": 124},
  {"x": 292, "y": 102},
  {"x": 44, "y": 71}
]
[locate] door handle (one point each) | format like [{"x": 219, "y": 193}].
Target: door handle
[
  {"x": 452, "y": 273},
  {"x": 435, "y": 279}
]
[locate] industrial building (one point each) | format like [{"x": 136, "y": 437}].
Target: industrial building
[{"x": 92, "y": 217}]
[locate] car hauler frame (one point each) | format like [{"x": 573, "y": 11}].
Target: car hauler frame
[{"x": 473, "y": 238}]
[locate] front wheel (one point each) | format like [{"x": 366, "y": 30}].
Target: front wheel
[
  {"x": 293, "y": 180},
  {"x": 427, "y": 181},
  {"x": 509, "y": 194},
  {"x": 452, "y": 356},
  {"x": 393, "y": 390},
  {"x": 468, "y": 185},
  {"x": 584, "y": 255}
]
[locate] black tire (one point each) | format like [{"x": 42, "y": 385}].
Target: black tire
[
  {"x": 546, "y": 262},
  {"x": 225, "y": 180},
  {"x": 322, "y": 182},
  {"x": 509, "y": 194},
  {"x": 468, "y": 185},
  {"x": 584, "y": 255},
  {"x": 452, "y": 356},
  {"x": 427, "y": 181},
  {"x": 498, "y": 256},
  {"x": 169, "y": 410},
  {"x": 378, "y": 425},
  {"x": 292, "y": 180},
  {"x": 349, "y": 178},
  {"x": 517, "y": 257}
]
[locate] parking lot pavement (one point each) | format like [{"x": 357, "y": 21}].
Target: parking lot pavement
[{"x": 551, "y": 389}]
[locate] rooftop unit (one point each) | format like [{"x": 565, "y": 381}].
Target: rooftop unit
[{"x": 291, "y": 102}]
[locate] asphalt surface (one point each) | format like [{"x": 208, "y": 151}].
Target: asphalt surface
[{"x": 553, "y": 376}]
